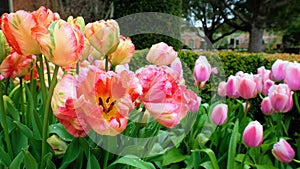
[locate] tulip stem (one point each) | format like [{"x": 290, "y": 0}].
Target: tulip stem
[
  {"x": 279, "y": 127},
  {"x": 106, "y": 63},
  {"x": 297, "y": 161},
  {"x": 296, "y": 102},
  {"x": 106, "y": 155},
  {"x": 4, "y": 125},
  {"x": 40, "y": 69},
  {"x": 244, "y": 159},
  {"x": 47, "y": 114},
  {"x": 24, "y": 119}
]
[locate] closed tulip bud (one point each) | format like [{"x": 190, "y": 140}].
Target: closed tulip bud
[
  {"x": 161, "y": 54},
  {"x": 278, "y": 70},
  {"x": 281, "y": 98},
  {"x": 219, "y": 114},
  {"x": 17, "y": 29},
  {"x": 293, "y": 72},
  {"x": 61, "y": 43},
  {"x": 202, "y": 69},
  {"x": 104, "y": 36},
  {"x": 79, "y": 21},
  {"x": 4, "y": 47},
  {"x": 266, "y": 86},
  {"x": 231, "y": 87},
  {"x": 253, "y": 134},
  {"x": 57, "y": 144},
  {"x": 266, "y": 106},
  {"x": 283, "y": 151},
  {"x": 222, "y": 88},
  {"x": 246, "y": 86},
  {"x": 124, "y": 52}
]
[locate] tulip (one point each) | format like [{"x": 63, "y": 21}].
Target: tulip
[
  {"x": 246, "y": 86},
  {"x": 4, "y": 47},
  {"x": 61, "y": 44},
  {"x": 283, "y": 151},
  {"x": 253, "y": 134},
  {"x": 292, "y": 77},
  {"x": 278, "y": 70},
  {"x": 16, "y": 65},
  {"x": 202, "y": 69},
  {"x": 164, "y": 97},
  {"x": 104, "y": 102},
  {"x": 161, "y": 54},
  {"x": 219, "y": 114},
  {"x": 176, "y": 65},
  {"x": 266, "y": 86},
  {"x": 265, "y": 74},
  {"x": 266, "y": 106},
  {"x": 231, "y": 87},
  {"x": 17, "y": 29},
  {"x": 222, "y": 89},
  {"x": 281, "y": 98},
  {"x": 58, "y": 145},
  {"x": 104, "y": 36},
  {"x": 64, "y": 104},
  {"x": 123, "y": 53},
  {"x": 44, "y": 17}
]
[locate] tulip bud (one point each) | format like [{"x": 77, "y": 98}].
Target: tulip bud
[
  {"x": 202, "y": 69},
  {"x": 283, "y": 151},
  {"x": 253, "y": 134},
  {"x": 123, "y": 53},
  {"x": 222, "y": 88},
  {"x": 57, "y": 144},
  {"x": 266, "y": 86},
  {"x": 293, "y": 72},
  {"x": 278, "y": 70},
  {"x": 266, "y": 106},
  {"x": 4, "y": 47},
  {"x": 79, "y": 21},
  {"x": 281, "y": 98},
  {"x": 219, "y": 114},
  {"x": 104, "y": 36},
  {"x": 161, "y": 54},
  {"x": 231, "y": 87},
  {"x": 246, "y": 86}
]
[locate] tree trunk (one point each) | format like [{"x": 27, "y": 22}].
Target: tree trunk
[{"x": 256, "y": 39}]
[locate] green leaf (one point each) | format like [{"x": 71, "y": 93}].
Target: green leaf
[
  {"x": 60, "y": 130},
  {"x": 211, "y": 156},
  {"x": 10, "y": 108},
  {"x": 71, "y": 154},
  {"x": 232, "y": 146},
  {"x": 24, "y": 129},
  {"x": 133, "y": 161},
  {"x": 4, "y": 157},
  {"x": 16, "y": 163},
  {"x": 29, "y": 161},
  {"x": 173, "y": 156},
  {"x": 265, "y": 167},
  {"x": 92, "y": 162}
]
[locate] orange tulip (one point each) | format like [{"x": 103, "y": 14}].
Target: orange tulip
[
  {"x": 124, "y": 52},
  {"x": 17, "y": 29}
]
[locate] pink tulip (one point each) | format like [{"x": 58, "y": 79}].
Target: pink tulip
[
  {"x": 246, "y": 109},
  {"x": 266, "y": 106},
  {"x": 17, "y": 29},
  {"x": 16, "y": 65},
  {"x": 232, "y": 87},
  {"x": 219, "y": 114},
  {"x": 123, "y": 53},
  {"x": 44, "y": 17},
  {"x": 61, "y": 43},
  {"x": 265, "y": 74},
  {"x": 161, "y": 54},
  {"x": 283, "y": 151},
  {"x": 253, "y": 134},
  {"x": 64, "y": 102},
  {"x": 202, "y": 69},
  {"x": 164, "y": 97},
  {"x": 266, "y": 86},
  {"x": 222, "y": 88},
  {"x": 104, "y": 36},
  {"x": 278, "y": 70},
  {"x": 176, "y": 65},
  {"x": 246, "y": 86},
  {"x": 292, "y": 77},
  {"x": 281, "y": 98}
]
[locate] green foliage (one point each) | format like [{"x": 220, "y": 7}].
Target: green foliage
[{"x": 148, "y": 29}]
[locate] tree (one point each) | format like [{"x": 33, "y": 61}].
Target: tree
[
  {"x": 211, "y": 19},
  {"x": 253, "y": 16}
]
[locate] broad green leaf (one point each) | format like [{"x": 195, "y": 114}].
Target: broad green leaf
[
  {"x": 211, "y": 156},
  {"x": 10, "y": 108},
  {"x": 4, "y": 157},
  {"x": 18, "y": 140},
  {"x": 16, "y": 163},
  {"x": 71, "y": 154},
  {"x": 29, "y": 161},
  {"x": 206, "y": 165},
  {"x": 24, "y": 129},
  {"x": 240, "y": 158},
  {"x": 133, "y": 161},
  {"x": 92, "y": 162},
  {"x": 265, "y": 167},
  {"x": 173, "y": 156},
  {"x": 60, "y": 130},
  {"x": 232, "y": 146}
]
